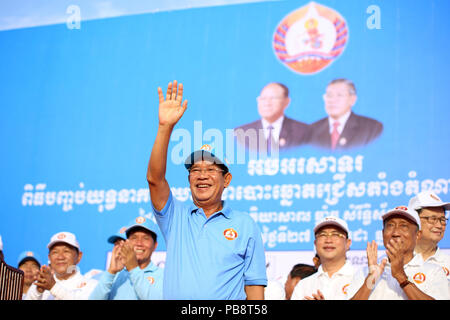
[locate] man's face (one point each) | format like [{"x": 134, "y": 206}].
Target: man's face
[
  {"x": 432, "y": 231},
  {"x": 143, "y": 245},
  {"x": 338, "y": 100},
  {"x": 207, "y": 182},
  {"x": 272, "y": 102},
  {"x": 31, "y": 270},
  {"x": 402, "y": 231},
  {"x": 63, "y": 258},
  {"x": 331, "y": 243}
]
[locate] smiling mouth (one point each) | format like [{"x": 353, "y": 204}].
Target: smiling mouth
[{"x": 202, "y": 186}]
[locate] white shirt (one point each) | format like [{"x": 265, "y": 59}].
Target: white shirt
[
  {"x": 443, "y": 260},
  {"x": 337, "y": 287},
  {"x": 428, "y": 277},
  {"x": 342, "y": 121},
  {"x": 77, "y": 287},
  {"x": 274, "y": 291},
  {"x": 277, "y": 125}
]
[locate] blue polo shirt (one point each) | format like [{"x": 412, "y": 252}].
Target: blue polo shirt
[
  {"x": 212, "y": 258},
  {"x": 138, "y": 284}
]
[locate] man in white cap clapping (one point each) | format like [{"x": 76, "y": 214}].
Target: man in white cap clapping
[
  {"x": 335, "y": 275},
  {"x": 431, "y": 211},
  {"x": 403, "y": 276},
  {"x": 63, "y": 281}
]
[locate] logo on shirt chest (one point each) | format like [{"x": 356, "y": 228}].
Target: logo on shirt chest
[
  {"x": 419, "y": 278},
  {"x": 151, "y": 280},
  {"x": 345, "y": 288},
  {"x": 447, "y": 272},
  {"x": 230, "y": 234}
]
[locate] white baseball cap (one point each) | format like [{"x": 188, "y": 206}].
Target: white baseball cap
[
  {"x": 1, "y": 243},
  {"x": 65, "y": 237},
  {"x": 406, "y": 212},
  {"x": 334, "y": 221},
  {"x": 427, "y": 199}
]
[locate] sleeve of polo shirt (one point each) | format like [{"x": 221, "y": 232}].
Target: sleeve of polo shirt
[
  {"x": 165, "y": 216},
  {"x": 438, "y": 288},
  {"x": 103, "y": 288},
  {"x": 144, "y": 289},
  {"x": 33, "y": 294},
  {"x": 255, "y": 260},
  {"x": 298, "y": 293}
]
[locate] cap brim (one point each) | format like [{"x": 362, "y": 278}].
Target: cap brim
[
  {"x": 400, "y": 213},
  {"x": 28, "y": 259},
  {"x": 127, "y": 232},
  {"x": 329, "y": 223},
  {"x": 445, "y": 205},
  {"x": 113, "y": 239},
  {"x": 51, "y": 244},
  {"x": 203, "y": 155}
]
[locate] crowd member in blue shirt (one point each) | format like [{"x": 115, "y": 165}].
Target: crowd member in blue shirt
[
  {"x": 213, "y": 251},
  {"x": 131, "y": 274}
]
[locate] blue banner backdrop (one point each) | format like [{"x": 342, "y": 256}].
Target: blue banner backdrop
[{"x": 79, "y": 114}]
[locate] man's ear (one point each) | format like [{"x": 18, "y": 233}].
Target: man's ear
[
  {"x": 227, "y": 179},
  {"x": 80, "y": 255}
]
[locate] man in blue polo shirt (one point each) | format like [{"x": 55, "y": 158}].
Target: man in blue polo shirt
[
  {"x": 213, "y": 251},
  {"x": 131, "y": 274}
]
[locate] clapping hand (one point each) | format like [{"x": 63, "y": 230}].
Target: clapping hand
[
  {"x": 375, "y": 269},
  {"x": 117, "y": 263},
  {"x": 45, "y": 279}
]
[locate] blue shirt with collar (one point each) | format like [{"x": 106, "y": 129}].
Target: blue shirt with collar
[
  {"x": 209, "y": 258},
  {"x": 137, "y": 284}
]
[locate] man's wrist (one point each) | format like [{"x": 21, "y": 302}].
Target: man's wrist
[
  {"x": 402, "y": 277},
  {"x": 131, "y": 265}
]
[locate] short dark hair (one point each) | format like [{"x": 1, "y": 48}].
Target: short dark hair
[
  {"x": 350, "y": 84},
  {"x": 282, "y": 86},
  {"x": 139, "y": 228},
  {"x": 302, "y": 271}
]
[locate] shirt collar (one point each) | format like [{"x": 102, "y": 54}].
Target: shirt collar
[
  {"x": 72, "y": 278},
  {"x": 276, "y": 124},
  {"x": 345, "y": 270},
  {"x": 342, "y": 120},
  {"x": 150, "y": 267},
  {"x": 436, "y": 256},
  {"x": 226, "y": 210}
]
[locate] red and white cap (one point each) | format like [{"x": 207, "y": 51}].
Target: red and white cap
[
  {"x": 405, "y": 212},
  {"x": 427, "y": 199},
  {"x": 64, "y": 237},
  {"x": 334, "y": 221}
]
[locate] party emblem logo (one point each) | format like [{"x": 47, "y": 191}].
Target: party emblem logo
[
  {"x": 310, "y": 38},
  {"x": 140, "y": 220},
  {"x": 419, "y": 278},
  {"x": 345, "y": 288},
  {"x": 151, "y": 280},
  {"x": 230, "y": 234}
]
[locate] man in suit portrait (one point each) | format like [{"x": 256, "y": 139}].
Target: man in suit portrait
[
  {"x": 342, "y": 129},
  {"x": 274, "y": 131}
]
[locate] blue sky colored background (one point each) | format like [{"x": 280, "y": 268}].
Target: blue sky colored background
[{"x": 78, "y": 108}]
